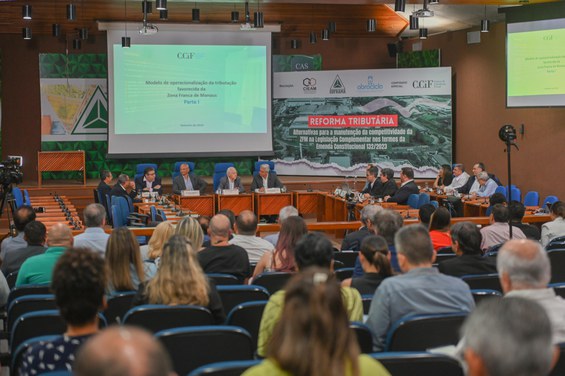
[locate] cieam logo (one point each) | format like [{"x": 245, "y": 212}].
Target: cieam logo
[
  {"x": 337, "y": 86},
  {"x": 370, "y": 85},
  {"x": 309, "y": 85}
]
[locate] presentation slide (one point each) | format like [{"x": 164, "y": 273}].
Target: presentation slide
[
  {"x": 190, "y": 89},
  {"x": 536, "y": 63}
]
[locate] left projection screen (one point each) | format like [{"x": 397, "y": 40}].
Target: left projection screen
[{"x": 183, "y": 92}]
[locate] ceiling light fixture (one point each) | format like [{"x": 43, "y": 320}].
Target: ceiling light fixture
[
  {"x": 414, "y": 24},
  {"x": 195, "y": 14},
  {"x": 424, "y": 33},
  {"x": 371, "y": 25},
  {"x": 424, "y": 12},
  {"x": 161, "y": 4},
  {"x": 71, "y": 12},
  {"x": 325, "y": 34},
  {"x": 164, "y": 14},
  {"x": 313, "y": 38},
  {"x": 399, "y": 5},
  {"x": 26, "y": 33},
  {"x": 485, "y": 23},
  {"x": 26, "y": 12}
]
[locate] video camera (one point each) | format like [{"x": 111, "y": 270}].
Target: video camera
[{"x": 10, "y": 171}]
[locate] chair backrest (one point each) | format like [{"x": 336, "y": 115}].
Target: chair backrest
[
  {"x": 176, "y": 169},
  {"x": 556, "y": 243},
  {"x": 549, "y": 200},
  {"x": 364, "y": 336},
  {"x": 193, "y": 347},
  {"x": 27, "y": 198},
  {"x": 11, "y": 279},
  {"x": 423, "y": 199},
  {"x": 366, "y": 299},
  {"x": 531, "y": 198},
  {"x": 96, "y": 196},
  {"x": 515, "y": 194},
  {"x": 17, "y": 292},
  {"x": 118, "y": 304},
  {"x": 152, "y": 213},
  {"x": 422, "y": 332},
  {"x": 344, "y": 273},
  {"x": 348, "y": 258},
  {"x": 258, "y": 164},
  {"x": 118, "y": 219},
  {"x": 272, "y": 281},
  {"x": 413, "y": 201},
  {"x": 142, "y": 166},
  {"x": 501, "y": 189},
  {"x": 559, "y": 367},
  {"x": 223, "y": 279},
  {"x": 35, "y": 324},
  {"x": 22, "y": 348},
  {"x": 444, "y": 256},
  {"x": 435, "y": 204},
  {"x": 28, "y": 303},
  {"x": 157, "y": 317},
  {"x": 219, "y": 172},
  {"x": 559, "y": 288},
  {"x": 234, "y": 295},
  {"x": 483, "y": 281},
  {"x": 108, "y": 207},
  {"x": 485, "y": 294},
  {"x": 233, "y": 368},
  {"x": 418, "y": 363},
  {"x": 248, "y": 316},
  {"x": 18, "y": 196},
  {"x": 557, "y": 260}
]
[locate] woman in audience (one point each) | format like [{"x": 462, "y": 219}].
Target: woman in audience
[
  {"x": 191, "y": 229},
  {"x": 373, "y": 256},
  {"x": 123, "y": 261},
  {"x": 556, "y": 227},
  {"x": 440, "y": 222},
  {"x": 282, "y": 258},
  {"x": 312, "y": 337},
  {"x": 180, "y": 280},
  {"x": 444, "y": 176},
  {"x": 161, "y": 234}
]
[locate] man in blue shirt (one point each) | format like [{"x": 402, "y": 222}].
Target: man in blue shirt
[{"x": 420, "y": 290}]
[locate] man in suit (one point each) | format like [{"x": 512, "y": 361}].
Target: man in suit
[
  {"x": 124, "y": 187},
  {"x": 265, "y": 179},
  {"x": 388, "y": 185},
  {"x": 104, "y": 187},
  {"x": 374, "y": 186},
  {"x": 188, "y": 181},
  {"x": 353, "y": 240},
  {"x": 231, "y": 180},
  {"x": 35, "y": 235},
  {"x": 407, "y": 187},
  {"x": 149, "y": 182}
]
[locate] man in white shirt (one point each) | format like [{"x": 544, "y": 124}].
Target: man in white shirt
[
  {"x": 94, "y": 237},
  {"x": 245, "y": 237},
  {"x": 460, "y": 177}
]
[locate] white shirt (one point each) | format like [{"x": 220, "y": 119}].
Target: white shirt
[
  {"x": 253, "y": 245},
  {"x": 458, "y": 181},
  {"x": 551, "y": 230},
  {"x": 475, "y": 187},
  {"x": 497, "y": 233},
  {"x": 93, "y": 238},
  {"x": 265, "y": 182}
]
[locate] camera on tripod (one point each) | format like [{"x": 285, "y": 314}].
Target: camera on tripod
[{"x": 10, "y": 171}]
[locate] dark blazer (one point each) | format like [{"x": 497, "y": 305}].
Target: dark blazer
[
  {"x": 273, "y": 182},
  {"x": 197, "y": 183},
  {"x": 141, "y": 186},
  {"x": 375, "y": 190},
  {"x": 14, "y": 258},
  {"x": 401, "y": 196},
  {"x": 225, "y": 184},
  {"x": 117, "y": 190},
  {"x": 388, "y": 189},
  {"x": 531, "y": 232},
  {"x": 103, "y": 189},
  {"x": 467, "y": 264},
  {"x": 353, "y": 240}
]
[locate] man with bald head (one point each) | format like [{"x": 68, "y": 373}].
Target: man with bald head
[
  {"x": 38, "y": 269},
  {"x": 221, "y": 256},
  {"x": 524, "y": 271},
  {"x": 246, "y": 229},
  {"x": 124, "y": 351},
  {"x": 188, "y": 181},
  {"x": 231, "y": 181}
]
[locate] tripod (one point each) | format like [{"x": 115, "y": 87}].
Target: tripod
[{"x": 7, "y": 198}]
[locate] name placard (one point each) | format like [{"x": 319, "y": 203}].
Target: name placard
[
  {"x": 273, "y": 190},
  {"x": 230, "y": 192},
  {"x": 187, "y": 193}
]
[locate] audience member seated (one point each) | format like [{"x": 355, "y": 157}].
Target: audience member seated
[
  {"x": 231, "y": 181},
  {"x": 35, "y": 235},
  {"x": 93, "y": 237},
  {"x": 444, "y": 177},
  {"x": 104, "y": 187},
  {"x": 245, "y": 237},
  {"x": 425, "y": 214},
  {"x": 284, "y": 213},
  {"x": 517, "y": 211},
  {"x": 524, "y": 270},
  {"x": 374, "y": 186},
  {"x": 374, "y": 259},
  {"x": 472, "y": 184},
  {"x": 38, "y": 269},
  {"x": 22, "y": 216},
  {"x": 79, "y": 280},
  {"x": 188, "y": 181},
  {"x": 440, "y": 222},
  {"x": 231, "y": 216},
  {"x": 191, "y": 229},
  {"x": 556, "y": 227},
  {"x": 460, "y": 177},
  {"x": 149, "y": 182},
  {"x": 221, "y": 256},
  {"x": 353, "y": 240},
  {"x": 498, "y": 231},
  {"x": 124, "y": 187},
  {"x": 265, "y": 179},
  {"x": 422, "y": 289},
  {"x": 181, "y": 281},
  {"x": 487, "y": 186},
  {"x": 151, "y": 253},
  {"x": 204, "y": 222},
  {"x": 313, "y": 336},
  {"x": 123, "y": 261},
  {"x": 282, "y": 259},
  {"x": 314, "y": 249},
  {"x": 389, "y": 186},
  {"x": 124, "y": 351},
  {"x": 508, "y": 337},
  {"x": 407, "y": 187},
  {"x": 466, "y": 238}
]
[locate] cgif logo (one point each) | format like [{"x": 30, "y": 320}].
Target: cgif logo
[
  {"x": 309, "y": 85},
  {"x": 337, "y": 86},
  {"x": 370, "y": 85}
]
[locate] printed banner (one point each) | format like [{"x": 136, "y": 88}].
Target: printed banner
[{"x": 332, "y": 123}]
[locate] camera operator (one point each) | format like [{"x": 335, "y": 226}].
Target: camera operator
[{"x": 22, "y": 216}]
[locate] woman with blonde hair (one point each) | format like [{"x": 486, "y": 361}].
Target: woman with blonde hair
[
  {"x": 161, "y": 234},
  {"x": 123, "y": 261},
  {"x": 190, "y": 228},
  {"x": 312, "y": 337},
  {"x": 282, "y": 258},
  {"x": 181, "y": 281}
]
